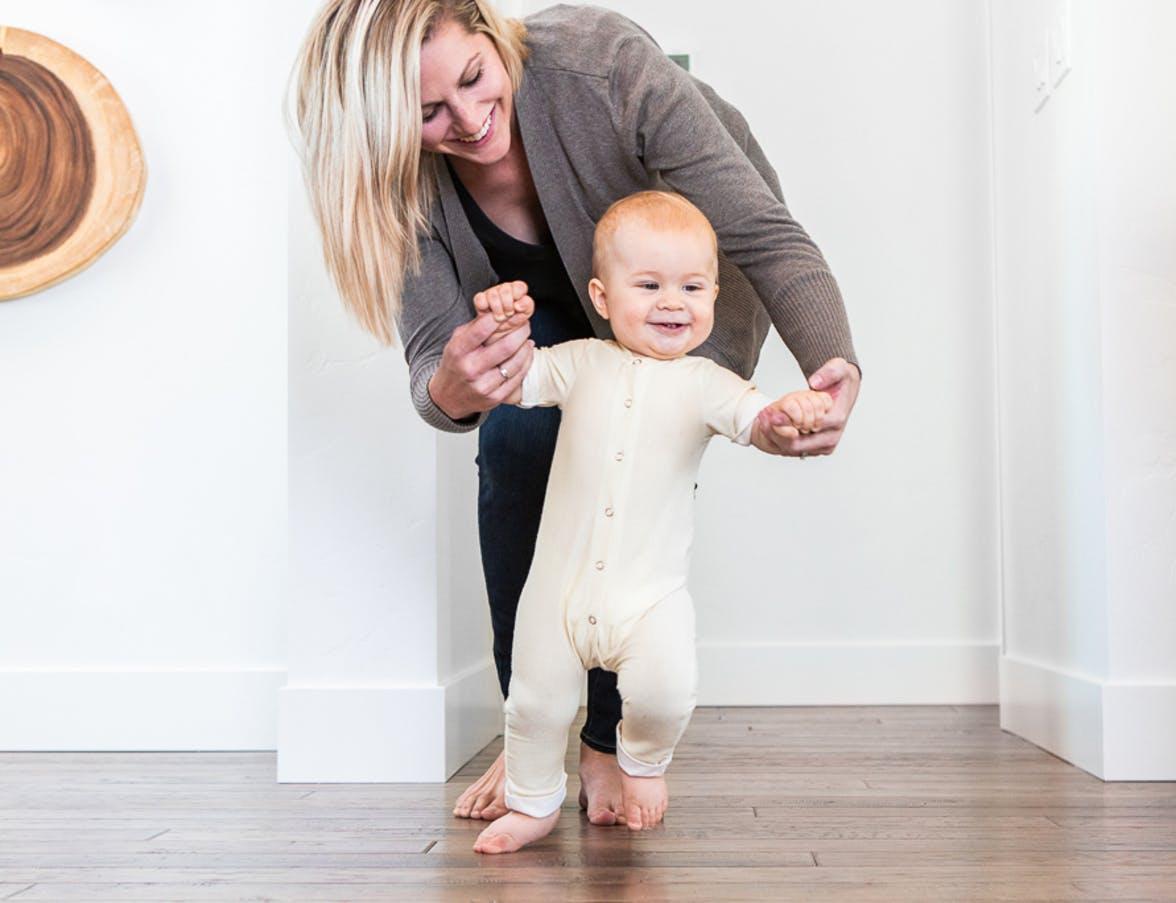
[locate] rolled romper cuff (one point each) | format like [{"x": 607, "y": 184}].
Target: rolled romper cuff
[
  {"x": 536, "y": 806},
  {"x": 635, "y": 768}
]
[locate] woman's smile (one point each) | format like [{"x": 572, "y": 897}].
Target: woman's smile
[{"x": 483, "y": 135}]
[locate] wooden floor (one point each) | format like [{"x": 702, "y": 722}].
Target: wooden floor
[{"x": 889, "y": 803}]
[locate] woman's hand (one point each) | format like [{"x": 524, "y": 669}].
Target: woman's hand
[
  {"x": 774, "y": 433},
  {"x": 475, "y": 375}
]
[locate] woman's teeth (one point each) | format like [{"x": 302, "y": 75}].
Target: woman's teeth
[{"x": 481, "y": 132}]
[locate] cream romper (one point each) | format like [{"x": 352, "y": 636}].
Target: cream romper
[{"x": 607, "y": 586}]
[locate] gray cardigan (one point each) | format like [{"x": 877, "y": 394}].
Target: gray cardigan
[{"x": 603, "y": 112}]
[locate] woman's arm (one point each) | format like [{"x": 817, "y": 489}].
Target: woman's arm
[
  {"x": 454, "y": 378},
  {"x": 663, "y": 116}
]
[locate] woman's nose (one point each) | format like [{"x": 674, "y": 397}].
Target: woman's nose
[{"x": 465, "y": 120}]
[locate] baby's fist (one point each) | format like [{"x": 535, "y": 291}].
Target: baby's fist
[
  {"x": 505, "y": 300},
  {"x": 805, "y": 409},
  {"x": 508, "y": 303}
]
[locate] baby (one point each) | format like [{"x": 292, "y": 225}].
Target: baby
[{"x": 607, "y": 586}]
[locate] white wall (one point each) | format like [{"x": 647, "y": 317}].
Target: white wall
[
  {"x": 156, "y": 490},
  {"x": 143, "y": 459},
  {"x": 389, "y": 624},
  {"x": 1085, "y": 225},
  {"x": 869, "y": 576}
]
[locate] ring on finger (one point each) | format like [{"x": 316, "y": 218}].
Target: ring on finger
[{"x": 505, "y": 373}]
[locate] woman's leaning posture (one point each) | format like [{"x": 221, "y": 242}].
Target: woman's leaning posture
[{"x": 447, "y": 150}]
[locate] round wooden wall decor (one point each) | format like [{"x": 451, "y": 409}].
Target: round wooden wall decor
[{"x": 71, "y": 170}]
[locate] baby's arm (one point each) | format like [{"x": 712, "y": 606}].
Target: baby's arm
[{"x": 805, "y": 410}]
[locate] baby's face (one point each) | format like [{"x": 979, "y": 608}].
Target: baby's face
[{"x": 658, "y": 289}]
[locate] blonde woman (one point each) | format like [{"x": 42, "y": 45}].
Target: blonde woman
[{"x": 449, "y": 151}]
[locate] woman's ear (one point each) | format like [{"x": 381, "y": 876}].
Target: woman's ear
[{"x": 596, "y": 293}]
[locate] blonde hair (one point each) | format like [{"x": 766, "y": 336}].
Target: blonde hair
[
  {"x": 358, "y": 117},
  {"x": 663, "y": 211}
]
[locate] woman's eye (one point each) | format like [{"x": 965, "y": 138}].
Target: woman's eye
[
  {"x": 473, "y": 81},
  {"x": 430, "y": 116}
]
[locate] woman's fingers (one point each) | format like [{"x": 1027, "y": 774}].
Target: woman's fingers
[
  {"x": 489, "y": 358},
  {"x": 470, "y": 336},
  {"x": 517, "y": 367}
]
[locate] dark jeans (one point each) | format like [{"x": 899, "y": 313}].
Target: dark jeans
[{"x": 515, "y": 447}]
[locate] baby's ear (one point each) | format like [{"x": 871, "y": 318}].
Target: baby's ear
[{"x": 596, "y": 293}]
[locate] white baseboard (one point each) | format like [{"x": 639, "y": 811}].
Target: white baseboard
[
  {"x": 1139, "y": 739},
  {"x": 1058, "y": 710},
  {"x": 1117, "y": 731},
  {"x": 144, "y": 710},
  {"x": 375, "y": 734},
  {"x": 847, "y": 674}
]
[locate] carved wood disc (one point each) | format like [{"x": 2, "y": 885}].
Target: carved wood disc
[{"x": 71, "y": 170}]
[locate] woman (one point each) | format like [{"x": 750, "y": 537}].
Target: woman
[{"x": 448, "y": 149}]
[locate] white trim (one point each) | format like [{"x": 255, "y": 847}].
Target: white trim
[
  {"x": 365, "y": 734},
  {"x": 997, "y": 445},
  {"x": 1115, "y": 730},
  {"x": 1139, "y": 732}
]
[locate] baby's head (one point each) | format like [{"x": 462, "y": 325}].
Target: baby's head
[{"x": 655, "y": 270}]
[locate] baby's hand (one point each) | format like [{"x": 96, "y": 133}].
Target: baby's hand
[
  {"x": 510, "y": 305},
  {"x": 805, "y": 409}
]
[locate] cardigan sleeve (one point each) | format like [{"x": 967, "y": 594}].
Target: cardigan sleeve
[
  {"x": 661, "y": 115},
  {"x": 432, "y": 307}
]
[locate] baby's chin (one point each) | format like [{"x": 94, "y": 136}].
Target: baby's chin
[{"x": 672, "y": 347}]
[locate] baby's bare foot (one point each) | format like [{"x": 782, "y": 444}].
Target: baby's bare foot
[
  {"x": 644, "y": 800},
  {"x": 600, "y": 786},
  {"x": 486, "y": 797},
  {"x": 513, "y": 832}
]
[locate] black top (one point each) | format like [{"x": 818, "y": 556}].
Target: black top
[{"x": 558, "y": 313}]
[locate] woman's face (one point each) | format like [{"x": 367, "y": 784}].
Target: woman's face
[{"x": 466, "y": 99}]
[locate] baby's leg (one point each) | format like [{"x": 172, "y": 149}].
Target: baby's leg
[
  {"x": 658, "y": 679},
  {"x": 546, "y": 676}
]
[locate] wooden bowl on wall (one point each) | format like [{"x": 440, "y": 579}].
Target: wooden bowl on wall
[{"x": 71, "y": 170}]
